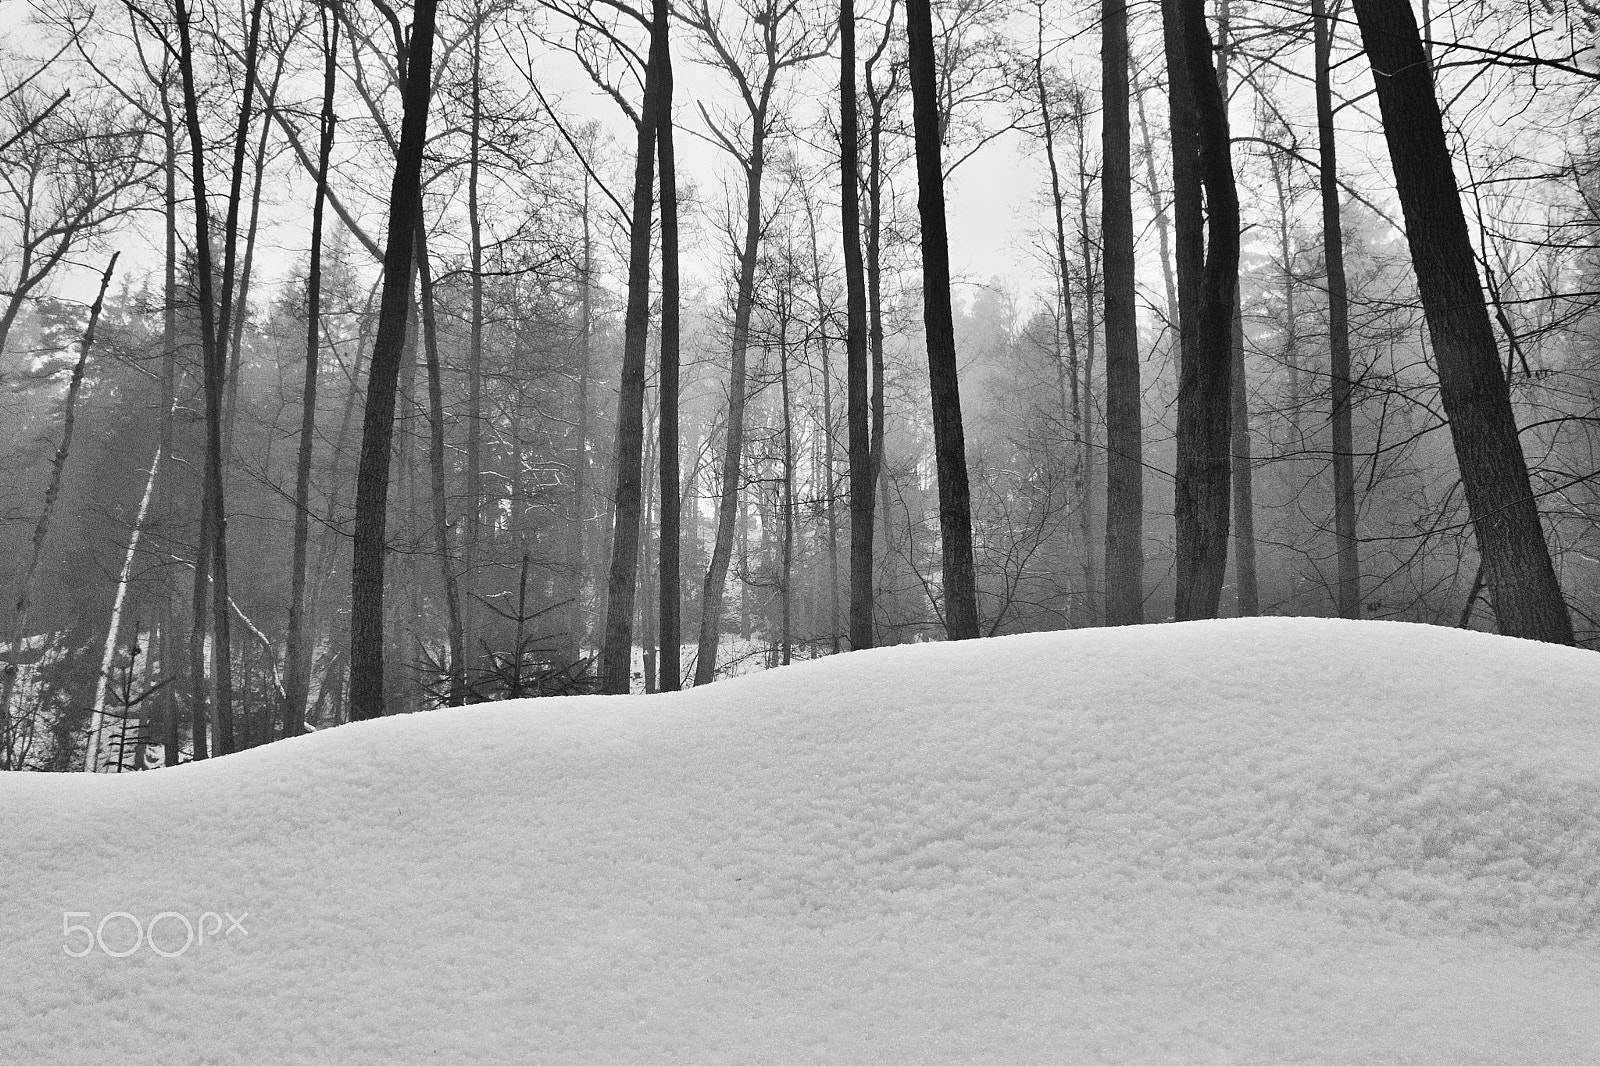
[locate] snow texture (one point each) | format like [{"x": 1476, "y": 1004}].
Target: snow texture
[{"x": 1270, "y": 841}]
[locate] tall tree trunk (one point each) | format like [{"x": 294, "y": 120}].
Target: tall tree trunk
[
  {"x": 93, "y": 757},
  {"x": 41, "y": 529},
  {"x": 1201, "y": 151},
  {"x": 211, "y": 551},
  {"x": 441, "y": 518},
  {"x": 616, "y": 653},
  {"x": 949, "y": 438},
  {"x": 1246, "y": 592},
  {"x": 1516, "y": 561},
  {"x": 786, "y": 551},
  {"x": 297, "y": 665},
  {"x": 825, "y": 477},
  {"x": 169, "y": 390},
  {"x": 1344, "y": 490},
  {"x": 575, "y": 630},
  {"x": 733, "y": 438},
  {"x": 857, "y": 401},
  {"x": 377, "y": 429},
  {"x": 1124, "y": 551},
  {"x": 670, "y": 598},
  {"x": 874, "y": 268},
  {"x": 471, "y": 548},
  {"x": 1084, "y": 393}
]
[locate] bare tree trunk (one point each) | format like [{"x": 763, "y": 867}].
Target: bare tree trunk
[
  {"x": 1246, "y": 591},
  {"x": 372, "y": 479},
  {"x": 670, "y": 597},
  {"x": 93, "y": 757},
  {"x": 1344, "y": 492},
  {"x": 856, "y": 398},
  {"x": 475, "y": 488},
  {"x": 1201, "y": 152},
  {"x": 733, "y": 439},
  {"x": 441, "y": 518},
  {"x": 1124, "y": 567},
  {"x": 786, "y": 554},
  {"x": 297, "y": 665},
  {"x": 949, "y": 438},
  {"x": 575, "y": 629},
  {"x": 1084, "y": 393},
  {"x": 1516, "y": 561},
  {"x": 169, "y": 392},
  {"x": 1163, "y": 223},
  {"x": 874, "y": 269},
  {"x": 41, "y": 529},
  {"x": 211, "y": 552},
  {"x": 1246, "y": 587},
  {"x": 825, "y": 478},
  {"x": 616, "y": 654}
]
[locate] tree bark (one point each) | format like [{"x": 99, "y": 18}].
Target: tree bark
[
  {"x": 211, "y": 551},
  {"x": 1247, "y": 596},
  {"x": 1208, "y": 252},
  {"x": 670, "y": 598},
  {"x": 1124, "y": 547},
  {"x": 474, "y": 472},
  {"x": 616, "y": 653},
  {"x": 377, "y": 429},
  {"x": 1347, "y": 547},
  {"x": 297, "y": 665},
  {"x": 949, "y": 438},
  {"x": 457, "y": 693},
  {"x": 1472, "y": 385},
  {"x": 857, "y": 401}
]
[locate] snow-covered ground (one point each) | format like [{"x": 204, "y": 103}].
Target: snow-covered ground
[{"x": 1269, "y": 841}]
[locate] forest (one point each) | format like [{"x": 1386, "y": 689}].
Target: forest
[{"x": 362, "y": 357}]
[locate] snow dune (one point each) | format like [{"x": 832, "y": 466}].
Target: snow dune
[{"x": 1271, "y": 841}]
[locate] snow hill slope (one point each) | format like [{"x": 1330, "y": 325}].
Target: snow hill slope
[{"x": 1271, "y": 841}]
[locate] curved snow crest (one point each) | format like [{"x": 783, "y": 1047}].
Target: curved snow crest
[{"x": 1254, "y": 840}]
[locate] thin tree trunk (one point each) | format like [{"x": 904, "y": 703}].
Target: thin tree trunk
[
  {"x": 169, "y": 392},
  {"x": 1344, "y": 492},
  {"x": 1517, "y": 569},
  {"x": 246, "y": 274},
  {"x": 670, "y": 596},
  {"x": 1246, "y": 587},
  {"x": 616, "y": 654},
  {"x": 825, "y": 477},
  {"x": 574, "y": 638},
  {"x": 1201, "y": 145},
  {"x": 372, "y": 479},
  {"x": 1124, "y": 550},
  {"x": 949, "y": 438},
  {"x": 786, "y": 581},
  {"x": 874, "y": 269},
  {"x": 475, "y": 488},
  {"x": 297, "y": 656},
  {"x": 441, "y": 518},
  {"x": 733, "y": 438},
  {"x": 1246, "y": 592},
  {"x": 1163, "y": 224},
  {"x": 857, "y": 401},
  {"x": 211, "y": 552},
  {"x": 92, "y": 757},
  {"x": 41, "y": 529},
  {"x": 1083, "y": 394}
]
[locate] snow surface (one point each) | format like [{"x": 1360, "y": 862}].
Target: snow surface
[{"x": 1270, "y": 841}]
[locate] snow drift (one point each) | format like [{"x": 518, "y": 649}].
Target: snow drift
[{"x": 1268, "y": 841}]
